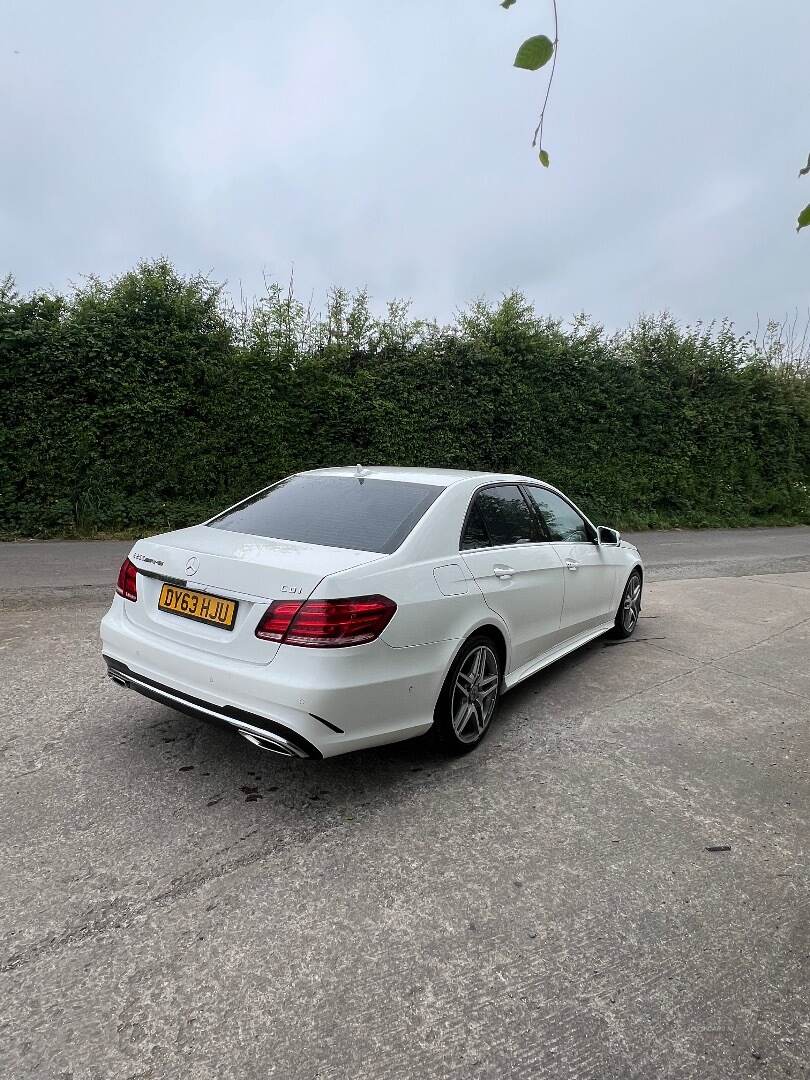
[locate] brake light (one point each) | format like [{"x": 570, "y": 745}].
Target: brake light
[
  {"x": 326, "y": 624},
  {"x": 127, "y": 581},
  {"x": 276, "y": 620}
]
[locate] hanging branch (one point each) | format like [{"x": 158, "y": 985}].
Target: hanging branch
[
  {"x": 538, "y": 131},
  {"x": 804, "y": 216},
  {"x": 533, "y": 54}
]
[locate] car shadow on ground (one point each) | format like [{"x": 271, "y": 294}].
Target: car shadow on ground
[
  {"x": 216, "y": 766},
  {"x": 549, "y": 678}
]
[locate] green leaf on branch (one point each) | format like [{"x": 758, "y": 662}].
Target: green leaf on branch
[
  {"x": 805, "y": 170},
  {"x": 545, "y": 161},
  {"x": 804, "y": 218},
  {"x": 534, "y": 53},
  {"x": 508, "y": 3}
]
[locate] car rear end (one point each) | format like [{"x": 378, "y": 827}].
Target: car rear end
[{"x": 244, "y": 629}]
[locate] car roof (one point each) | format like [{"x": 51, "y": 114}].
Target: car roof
[{"x": 439, "y": 477}]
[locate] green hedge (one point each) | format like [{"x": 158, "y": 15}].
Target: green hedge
[{"x": 147, "y": 402}]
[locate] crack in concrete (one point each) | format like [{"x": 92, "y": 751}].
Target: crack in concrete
[
  {"x": 715, "y": 662},
  {"x": 784, "y": 584},
  {"x": 126, "y": 915},
  {"x": 765, "y": 640},
  {"x": 654, "y": 686},
  {"x": 754, "y": 679}
]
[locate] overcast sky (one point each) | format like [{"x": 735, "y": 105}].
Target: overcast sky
[{"x": 385, "y": 143}]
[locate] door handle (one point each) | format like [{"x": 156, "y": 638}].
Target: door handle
[
  {"x": 503, "y": 572},
  {"x": 571, "y": 564}
]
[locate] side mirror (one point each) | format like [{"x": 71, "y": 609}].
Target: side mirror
[{"x": 608, "y": 537}]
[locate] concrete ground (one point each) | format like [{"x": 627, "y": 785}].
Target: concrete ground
[{"x": 174, "y": 903}]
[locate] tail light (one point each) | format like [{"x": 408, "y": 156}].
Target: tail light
[
  {"x": 326, "y": 624},
  {"x": 276, "y": 620},
  {"x": 127, "y": 581}
]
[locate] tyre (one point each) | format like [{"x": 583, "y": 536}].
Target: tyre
[
  {"x": 627, "y": 615},
  {"x": 470, "y": 696}
]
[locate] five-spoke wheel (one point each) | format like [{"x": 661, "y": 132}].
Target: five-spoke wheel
[
  {"x": 475, "y": 693},
  {"x": 629, "y": 608},
  {"x": 469, "y": 698}
]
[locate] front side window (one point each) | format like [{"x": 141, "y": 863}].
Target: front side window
[
  {"x": 360, "y": 513},
  {"x": 498, "y": 516},
  {"x": 562, "y": 521}
]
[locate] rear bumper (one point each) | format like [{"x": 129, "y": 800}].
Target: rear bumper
[
  {"x": 262, "y": 732},
  {"x": 324, "y": 702}
]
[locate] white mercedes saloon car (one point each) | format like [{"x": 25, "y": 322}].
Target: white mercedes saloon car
[{"x": 344, "y": 608}]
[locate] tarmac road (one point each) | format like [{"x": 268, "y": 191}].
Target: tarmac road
[{"x": 173, "y": 903}]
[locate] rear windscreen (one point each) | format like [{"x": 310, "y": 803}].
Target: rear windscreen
[{"x": 335, "y": 511}]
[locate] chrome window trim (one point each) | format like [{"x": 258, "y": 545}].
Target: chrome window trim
[
  {"x": 574, "y": 507},
  {"x": 496, "y": 547}
]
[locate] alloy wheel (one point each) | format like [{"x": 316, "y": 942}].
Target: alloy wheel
[
  {"x": 475, "y": 694},
  {"x": 632, "y": 604}
]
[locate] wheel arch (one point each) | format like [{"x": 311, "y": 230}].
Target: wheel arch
[
  {"x": 489, "y": 628},
  {"x": 621, "y": 584},
  {"x": 498, "y": 638},
  {"x": 636, "y": 566}
]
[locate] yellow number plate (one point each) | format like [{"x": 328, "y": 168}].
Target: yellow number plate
[{"x": 197, "y": 605}]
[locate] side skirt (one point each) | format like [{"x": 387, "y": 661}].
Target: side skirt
[{"x": 557, "y": 653}]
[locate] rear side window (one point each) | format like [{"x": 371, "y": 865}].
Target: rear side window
[
  {"x": 475, "y": 533},
  {"x": 499, "y": 515},
  {"x": 360, "y": 513},
  {"x": 562, "y": 521}
]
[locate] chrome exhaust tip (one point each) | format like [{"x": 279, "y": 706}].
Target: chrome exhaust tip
[{"x": 265, "y": 742}]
